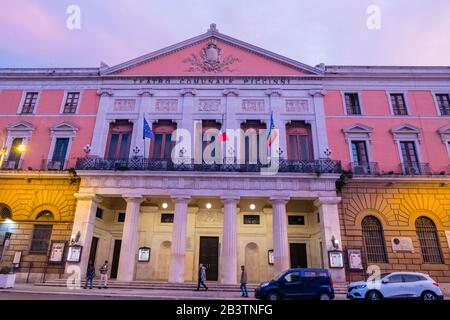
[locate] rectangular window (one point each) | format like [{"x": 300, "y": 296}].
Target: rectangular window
[
  {"x": 443, "y": 101},
  {"x": 99, "y": 213},
  {"x": 251, "y": 219},
  {"x": 14, "y": 155},
  {"x": 409, "y": 154},
  {"x": 398, "y": 104},
  {"x": 41, "y": 238},
  {"x": 296, "y": 220},
  {"x": 30, "y": 102},
  {"x": 121, "y": 217},
  {"x": 352, "y": 104},
  {"x": 359, "y": 152},
  {"x": 60, "y": 150},
  {"x": 71, "y": 104},
  {"x": 167, "y": 217}
]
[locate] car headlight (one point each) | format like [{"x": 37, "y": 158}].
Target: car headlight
[
  {"x": 264, "y": 284},
  {"x": 361, "y": 286}
]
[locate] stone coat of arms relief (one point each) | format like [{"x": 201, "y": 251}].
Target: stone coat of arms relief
[{"x": 210, "y": 59}]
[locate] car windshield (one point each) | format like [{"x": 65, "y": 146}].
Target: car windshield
[
  {"x": 277, "y": 277},
  {"x": 375, "y": 278}
]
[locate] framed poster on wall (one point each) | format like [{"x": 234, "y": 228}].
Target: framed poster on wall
[
  {"x": 270, "y": 257},
  {"x": 57, "y": 249},
  {"x": 335, "y": 259},
  {"x": 144, "y": 254},
  {"x": 354, "y": 257},
  {"x": 74, "y": 253}
]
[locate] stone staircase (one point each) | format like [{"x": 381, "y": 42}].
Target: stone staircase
[{"x": 156, "y": 285}]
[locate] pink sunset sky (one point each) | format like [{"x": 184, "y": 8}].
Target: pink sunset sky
[{"x": 33, "y": 33}]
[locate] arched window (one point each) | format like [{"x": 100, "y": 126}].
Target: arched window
[
  {"x": 428, "y": 240},
  {"x": 374, "y": 240},
  {"x": 5, "y": 212},
  {"x": 45, "y": 215}
]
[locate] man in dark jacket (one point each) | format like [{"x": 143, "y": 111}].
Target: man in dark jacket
[
  {"x": 244, "y": 282},
  {"x": 90, "y": 274},
  {"x": 201, "y": 277}
]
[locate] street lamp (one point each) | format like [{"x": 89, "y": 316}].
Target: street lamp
[{"x": 335, "y": 242}]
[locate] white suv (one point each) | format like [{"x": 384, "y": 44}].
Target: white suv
[{"x": 396, "y": 285}]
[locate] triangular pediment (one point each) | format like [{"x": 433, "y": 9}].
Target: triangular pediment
[
  {"x": 406, "y": 128},
  {"x": 20, "y": 126},
  {"x": 445, "y": 129},
  {"x": 357, "y": 128},
  {"x": 212, "y": 53},
  {"x": 64, "y": 126}
]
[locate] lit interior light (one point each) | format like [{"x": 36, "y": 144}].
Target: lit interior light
[
  {"x": 208, "y": 205},
  {"x": 21, "y": 148},
  {"x": 252, "y": 206},
  {"x": 165, "y": 205}
]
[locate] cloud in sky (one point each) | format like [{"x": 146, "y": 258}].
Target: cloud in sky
[{"x": 34, "y": 33}]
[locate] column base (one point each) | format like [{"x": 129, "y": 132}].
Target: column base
[{"x": 177, "y": 269}]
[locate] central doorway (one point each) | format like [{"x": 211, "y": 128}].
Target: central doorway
[
  {"x": 298, "y": 255},
  {"x": 209, "y": 256}
]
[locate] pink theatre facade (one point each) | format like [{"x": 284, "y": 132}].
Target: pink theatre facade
[{"x": 349, "y": 140}]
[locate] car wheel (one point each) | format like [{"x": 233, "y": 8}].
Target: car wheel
[
  {"x": 324, "y": 296},
  {"x": 272, "y": 295},
  {"x": 428, "y": 295},
  {"x": 373, "y": 295}
]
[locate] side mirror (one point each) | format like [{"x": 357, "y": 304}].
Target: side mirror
[{"x": 385, "y": 281}]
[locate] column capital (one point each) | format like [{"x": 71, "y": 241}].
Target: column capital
[
  {"x": 133, "y": 197},
  {"x": 327, "y": 200},
  {"x": 231, "y": 92},
  {"x": 88, "y": 197},
  {"x": 105, "y": 92},
  {"x": 146, "y": 92},
  {"x": 317, "y": 93},
  {"x": 230, "y": 199},
  {"x": 274, "y": 92},
  {"x": 279, "y": 200},
  {"x": 180, "y": 198},
  {"x": 188, "y": 92}
]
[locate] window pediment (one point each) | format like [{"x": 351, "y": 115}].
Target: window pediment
[
  {"x": 357, "y": 131},
  {"x": 444, "y": 132},
  {"x": 407, "y": 131},
  {"x": 20, "y": 129},
  {"x": 63, "y": 129}
]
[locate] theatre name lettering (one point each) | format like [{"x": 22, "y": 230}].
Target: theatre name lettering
[{"x": 213, "y": 81}]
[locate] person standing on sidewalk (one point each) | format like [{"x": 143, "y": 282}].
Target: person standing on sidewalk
[
  {"x": 104, "y": 275},
  {"x": 201, "y": 277},
  {"x": 244, "y": 282},
  {"x": 90, "y": 274}
]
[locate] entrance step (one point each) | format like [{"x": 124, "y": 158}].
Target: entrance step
[
  {"x": 187, "y": 286},
  {"x": 339, "y": 288}
]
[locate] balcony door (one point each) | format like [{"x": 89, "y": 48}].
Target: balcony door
[
  {"x": 60, "y": 151},
  {"x": 162, "y": 145},
  {"x": 359, "y": 152},
  {"x": 207, "y": 125},
  {"x": 251, "y": 141},
  {"x": 119, "y": 140},
  {"x": 409, "y": 153},
  {"x": 299, "y": 141}
]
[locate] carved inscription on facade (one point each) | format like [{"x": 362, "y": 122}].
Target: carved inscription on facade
[
  {"x": 253, "y": 105},
  {"x": 209, "y": 105},
  {"x": 124, "y": 105},
  {"x": 300, "y": 106},
  {"x": 166, "y": 105}
]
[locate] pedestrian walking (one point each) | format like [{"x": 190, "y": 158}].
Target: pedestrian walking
[
  {"x": 201, "y": 277},
  {"x": 90, "y": 274},
  {"x": 104, "y": 275},
  {"x": 244, "y": 282}
]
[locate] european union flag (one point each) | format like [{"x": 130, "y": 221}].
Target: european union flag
[{"x": 148, "y": 133}]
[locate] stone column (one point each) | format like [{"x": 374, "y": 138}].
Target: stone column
[
  {"x": 144, "y": 107},
  {"x": 100, "y": 135},
  {"x": 83, "y": 223},
  {"x": 229, "y": 241},
  {"x": 127, "y": 261},
  {"x": 320, "y": 128},
  {"x": 329, "y": 228},
  {"x": 177, "y": 261},
  {"x": 187, "y": 123},
  {"x": 280, "y": 237}
]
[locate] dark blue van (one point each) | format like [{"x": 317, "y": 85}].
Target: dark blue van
[{"x": 298, "y": 283}]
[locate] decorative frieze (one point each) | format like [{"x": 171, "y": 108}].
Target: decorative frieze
[
  {"x": 297, "y": 106},
  {"x": 166, "y": 105},
  {"x": 209, "y": 105},
  {"x": 124, "y": 105},
  {"x": 253, "y": 105}
]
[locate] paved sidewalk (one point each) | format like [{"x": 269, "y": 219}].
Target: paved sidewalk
[{"x": 96, "y": 293}]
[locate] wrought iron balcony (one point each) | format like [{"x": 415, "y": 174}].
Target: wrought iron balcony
[
  {"x": 364, "y": 168},
  {"x": 11, "y": 164},
  {"x": 53, "y": 164},
  {"x": 415, "y": 168},
  {"x": 140, "y": 163}
]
